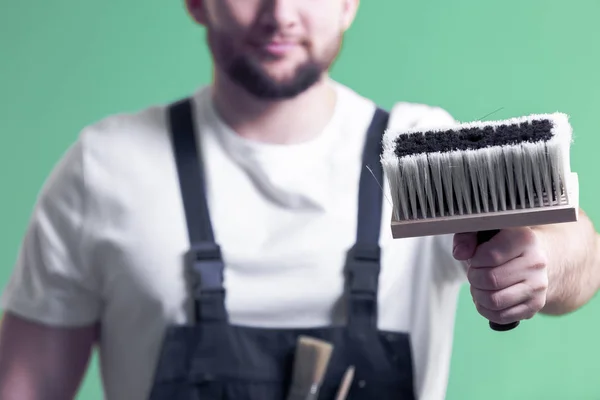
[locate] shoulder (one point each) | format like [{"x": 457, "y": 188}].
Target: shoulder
[
  {"x": 125, "y": 129},
  {"x": 108, "y": 160},
  {"x": 357, "y": 109},
  {"x": 100, "y": 149},
  {"x": 407, "y": 115},
  {"x": 124, "y": 147},
  {"x": 403, "y": 114}
]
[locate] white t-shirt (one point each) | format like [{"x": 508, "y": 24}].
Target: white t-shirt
[{"x": 107, "y": 237}]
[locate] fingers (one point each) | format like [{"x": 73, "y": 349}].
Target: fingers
[
  {"x": 505, "y": 246},
  {"x": 504, "y": 299},
  {"x": 508, "y": 275},
  {"x": 508, "y": 301},
  {"x": 464, "y": 245},
  {"x": 511, "y": 273},
  {"x": 526, "y": 310}
]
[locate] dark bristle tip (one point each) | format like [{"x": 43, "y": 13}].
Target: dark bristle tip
[{"x": 473, "y": 138}]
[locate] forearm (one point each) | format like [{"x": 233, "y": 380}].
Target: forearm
[
  {"x": 573, "y": 264},
  {"x": 42, "y": 363}
]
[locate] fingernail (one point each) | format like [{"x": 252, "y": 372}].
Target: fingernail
[{"x": 458, "y": 249}]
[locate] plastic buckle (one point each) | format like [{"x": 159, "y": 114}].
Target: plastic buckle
[
  {"x": 363, "y": 272},
  {"x": 207, "y": 267}
]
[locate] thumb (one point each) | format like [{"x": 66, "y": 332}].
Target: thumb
[{"x": 464, "y": 245}]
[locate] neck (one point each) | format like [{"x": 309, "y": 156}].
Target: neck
[{"x": 288, "y": 121}]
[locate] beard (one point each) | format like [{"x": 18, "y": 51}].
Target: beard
[{"x": 246, "y": 70}]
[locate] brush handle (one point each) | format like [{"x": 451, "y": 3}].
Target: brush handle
[
  {"x": 483, "y": 237},
  {"x": 344, "y": 388}
]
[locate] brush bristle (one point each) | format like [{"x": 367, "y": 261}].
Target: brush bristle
[
  {"x": 478, "y": 167},
  {"x": 310, "y": 365}
]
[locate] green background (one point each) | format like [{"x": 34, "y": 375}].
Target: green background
[{"x": 67, "y": 63}]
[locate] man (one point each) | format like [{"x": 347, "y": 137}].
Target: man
[{"x": 282, "y": 159}]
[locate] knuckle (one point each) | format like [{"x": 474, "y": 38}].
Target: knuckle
[
  {"x": 490, "y": 315},
  {"x": 533, "y": 307},
  {"x": 538, "y": 265},
  {"x": 484, "y": 278},
  {"x": 528, "y": 236},
  {"x": 496, "y": 301},
  {"x": 476, "y": 277},
  {"x": 538, "y": 303},
  {"x": 539, "y": 285},
  {"x": 480, "y": 308},
  {"x": 529, "y": 314},
  {"x": 474, "y": 293},
  {"x": 472, "y": 275},
  {"x": 491, "y": 279},
  {"x": 494, "y": 257},
  {"x": 537, "y": 256}
]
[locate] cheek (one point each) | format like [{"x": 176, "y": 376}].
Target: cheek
[
  {"x": 233, "y": 16},
  {"x": 325, "y": 28}
]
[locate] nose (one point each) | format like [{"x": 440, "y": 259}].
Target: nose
[{"x": 279, "y": 14}]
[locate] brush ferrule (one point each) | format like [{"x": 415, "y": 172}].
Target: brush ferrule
[
  {"x": 303, "y": 393},
  {"x": 314, "y": 392}
]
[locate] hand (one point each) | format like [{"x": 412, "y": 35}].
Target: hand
[{"x": 508, "y": 275}]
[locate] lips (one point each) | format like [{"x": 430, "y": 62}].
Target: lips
[
  {"x": 276, "y": 48},
  {"x": 279, "y": 48}
]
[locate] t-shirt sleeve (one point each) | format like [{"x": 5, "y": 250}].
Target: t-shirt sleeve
[
  {"x": 420, "y": 116},
  {"x": 52, "y": 281}
]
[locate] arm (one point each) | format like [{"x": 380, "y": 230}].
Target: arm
[
  {"x": 573, "y": 262},
  {"x": 53, "y": 299},
  {"x": 42, "y": 362}
]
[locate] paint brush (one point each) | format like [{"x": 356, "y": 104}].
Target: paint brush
[
  {"x": 310, "y": 365},
  {"x": 345, "y": 385},
  {"x": 481, "y": 177}
]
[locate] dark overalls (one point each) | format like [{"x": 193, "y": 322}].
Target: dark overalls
[{"x": 212, "y": 359}]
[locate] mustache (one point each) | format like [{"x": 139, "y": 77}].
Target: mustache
[{"x": 261, "y": 40}]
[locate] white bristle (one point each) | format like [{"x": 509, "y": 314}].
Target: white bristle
[
  {"x": 500, "y": 180},
  {"x": 446, "y": 190},
  {"x": 422, "y": 171},
  {"x": 496, "y": 178},
  {"x": 460, "y": 183},
  {"x": 436, "y": 179},
  {"x": 428, "y": 187},
  {"x": 511, "y": 185},
  {"x": 472, "y": 170},
  {"x": 555, "y": 153}
]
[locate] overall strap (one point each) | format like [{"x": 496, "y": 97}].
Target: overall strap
[
  {"x": 363, "y": 263},
  {"x": 204, "y": 258}
]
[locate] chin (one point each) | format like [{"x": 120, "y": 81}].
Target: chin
[{"x": 281, "y": 70}]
